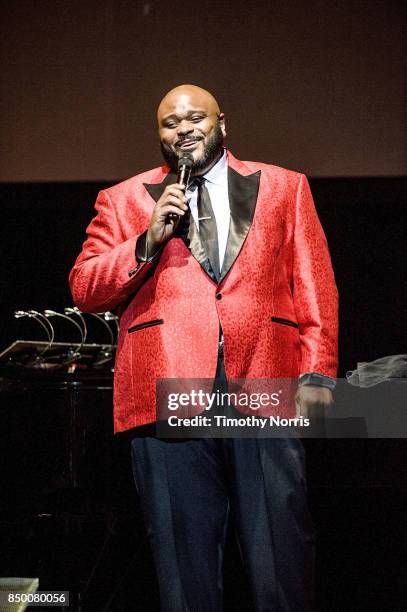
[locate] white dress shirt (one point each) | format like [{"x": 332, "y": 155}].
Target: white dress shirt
[{"x": 216, "y": 182}]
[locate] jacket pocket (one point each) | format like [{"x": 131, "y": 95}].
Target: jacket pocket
[
  {"x": 144, "y": 325},
  {"x": 285, "y": 322}
]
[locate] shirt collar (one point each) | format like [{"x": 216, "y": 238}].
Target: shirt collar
[{"x": 219, "y": 172}]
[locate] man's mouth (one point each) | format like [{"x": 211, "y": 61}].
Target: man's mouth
[{"x": 187, "y": 145}]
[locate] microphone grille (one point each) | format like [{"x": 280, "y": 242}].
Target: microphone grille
[{"x": 185, "y": 159}]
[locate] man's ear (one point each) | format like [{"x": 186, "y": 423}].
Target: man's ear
[{"x": 221, "y": 118}]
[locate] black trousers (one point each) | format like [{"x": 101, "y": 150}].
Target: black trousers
[{"x": 190, "y": 489}]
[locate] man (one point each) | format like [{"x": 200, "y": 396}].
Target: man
[{"x": 232, "y": 278}]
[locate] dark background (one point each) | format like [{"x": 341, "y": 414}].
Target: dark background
[{"x": 317, "y": 87}]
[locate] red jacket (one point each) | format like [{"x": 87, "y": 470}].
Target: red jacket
[{"x": 276, "y": 299}]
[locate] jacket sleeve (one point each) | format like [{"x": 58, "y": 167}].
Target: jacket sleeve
[
  {"x": 314, "y": 290},
  {"x": 105, "y": 274}
]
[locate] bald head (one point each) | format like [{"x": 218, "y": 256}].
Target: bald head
[
  {"x": 185, "y": 95},
  {"x": 189, "y": 119}
]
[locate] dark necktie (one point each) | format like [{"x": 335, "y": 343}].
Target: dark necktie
[{"x": 208, "y": 231}]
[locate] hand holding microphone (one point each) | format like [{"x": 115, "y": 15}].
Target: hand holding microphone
[{"x": 171, "y": 206}]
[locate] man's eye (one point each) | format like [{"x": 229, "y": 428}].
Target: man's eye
[
  {"x": 197, "y": 119},
  {"x": 170, "y": 125}
]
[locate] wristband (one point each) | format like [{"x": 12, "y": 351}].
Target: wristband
[{"x": 317, "y": 380}]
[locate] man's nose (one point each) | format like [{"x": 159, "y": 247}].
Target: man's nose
[{"x": 184, "y": 127}]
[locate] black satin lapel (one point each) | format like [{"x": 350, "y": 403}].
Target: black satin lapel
[
  {"x": 243, "y": 191},
  {"x": 156, "y": 189},
  {"x": 188, "y": 232}
]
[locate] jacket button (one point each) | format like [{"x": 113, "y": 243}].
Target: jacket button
[{"x": 218, "y": 296}]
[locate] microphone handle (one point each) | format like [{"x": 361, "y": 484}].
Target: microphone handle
[{"x": 184, "y": 172}]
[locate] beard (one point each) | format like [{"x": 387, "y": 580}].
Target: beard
[{"x": 211, "y": 152}]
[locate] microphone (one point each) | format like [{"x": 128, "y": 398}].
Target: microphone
[{"x": 185, "y": 163}]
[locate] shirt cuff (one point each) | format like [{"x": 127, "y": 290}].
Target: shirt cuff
[{"x": 141, "y": 250}]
